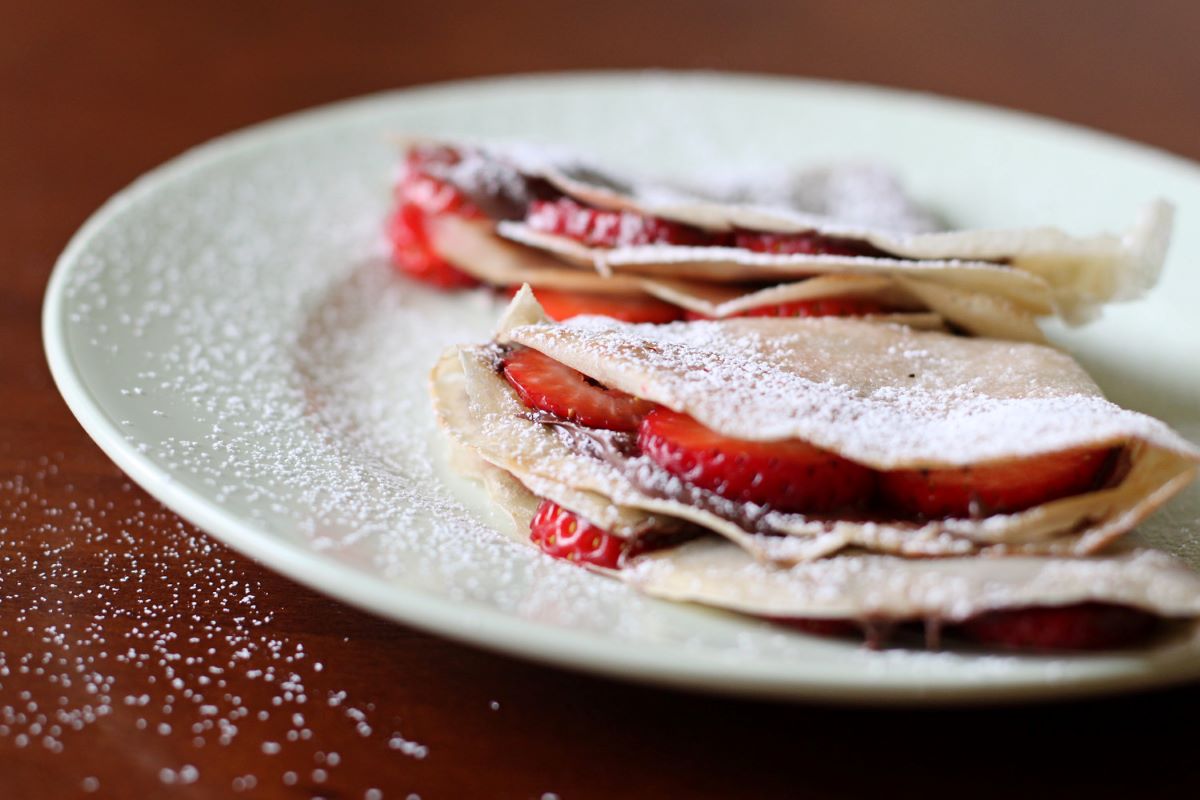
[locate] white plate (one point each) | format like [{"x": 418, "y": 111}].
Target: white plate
[{"x": 226, "y": 330}]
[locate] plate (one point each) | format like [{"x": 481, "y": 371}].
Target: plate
[{"x": 228, "y": 331}]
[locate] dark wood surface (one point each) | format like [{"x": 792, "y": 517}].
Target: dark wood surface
[{"x": 140, "y": 659}]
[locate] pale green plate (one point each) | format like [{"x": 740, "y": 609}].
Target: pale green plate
[{"x": 226, "y": 330}]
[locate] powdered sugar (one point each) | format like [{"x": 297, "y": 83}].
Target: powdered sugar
[
  {"x": 1078, "y": 274},
  {"x": 859, "y": 194},
  {"x": 882, "y": 395},
  {"x": 588, "y": 471},
  {"x": 866, "y": 586},
  {"x": 854, "y": 194},
  {"x": 289, "y": 364},
  {"x": 175, "y": 640},
  {"x": 195, "y": 298}
]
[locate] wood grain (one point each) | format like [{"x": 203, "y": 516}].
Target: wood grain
[{"x": 105, "y": 596}]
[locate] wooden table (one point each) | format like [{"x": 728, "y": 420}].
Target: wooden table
[{"x": 115, "y": 653}]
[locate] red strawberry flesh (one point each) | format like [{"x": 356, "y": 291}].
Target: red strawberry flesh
[
  {"x": 819, "y": 627},
  {"x": 419, "y": 196},
  {"x": 1080, "y": 626},
  {"x": 562, "y": 534},
  {"x": 1000, "y": 488},
  {"x": 413, "y": 255},
  {"x": 553, "y": 387},
  {"x": 599, "y": 227},
  {"x": 787, "y": 475},
  {"x": 1083, "y": 626},
  {"x": 804, "y": 243},
  {"x": 420, "y": 185},
  {"x": 821, "y": 307},
  {"x": 561, "y": 305}
]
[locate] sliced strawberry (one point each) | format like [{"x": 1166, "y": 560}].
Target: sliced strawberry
[
  {"x": 605, "y": 228},
  {"x": 560, "y": 305},
  {"x": 419, "y": 196},
  {"x": 562, "y": 534},
  {"x": 432, "y": 195},
  {"x": 551, "y": 386},
  {"x": 1084, "y": 626},
  {"x": 822, "y": 307},
  {"x": 788, "y": 476},
  {"x": 819, "y": 627},
  {"x": 993, "y": 488},
  {"x": 420, "y": 186},
  {"x": 807, "y": 243},
  {"x": 413, "y": 255}
]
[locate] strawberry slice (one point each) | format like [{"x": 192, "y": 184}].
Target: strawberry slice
[
  {"x": 807, "y": 243},
  {"x": 788, "y": 476},
  {"x": 419, "y": 196},
  {"x": 413, "y": 255},
  {"x": 560, "y": 305},
  {"x": 993, "y": 488},
  {"x": 1084, "y": 626},
  {"x": 562, "y": 534},
  {"x": 819, "y": 627},
  {"x": 420, "y": 186},
  {"x": 598, "y": 227},
  {"x": 821, "y": 307},
  {"x": 551, "y": 386}
]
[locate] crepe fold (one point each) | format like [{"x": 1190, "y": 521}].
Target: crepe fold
[
  {"x": 985, "y": 282},
  {"x": 978, "y": 299},
  {"x": 833, "y": 383},
  {"x": 472, "y": 247},
  {"x": 1075, "y": 274},
  {"x": 1040, "y": 270},
  {"x": 882, "y": 395},
  {"x": 863, "y": 586}
]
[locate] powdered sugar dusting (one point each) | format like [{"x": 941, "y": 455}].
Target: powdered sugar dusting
[
  {"x": 859, "y": 194},
  {"x": 232, "y": 320},
  {"x": 850, "y": 194},
  {"x": 864, "y": 586},
  {"x": 174, "y": 642},
  {"x": 882, "y": 395},
  {"x": 289, "y": 365},
  {"x": 312, "y": 421}
]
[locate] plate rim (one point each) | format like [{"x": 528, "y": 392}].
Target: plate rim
[{"x": 484, "y": 626}]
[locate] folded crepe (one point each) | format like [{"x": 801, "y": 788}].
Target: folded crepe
[
  {"x": 883, "y": 396},
  {"x": 987, "y": 283},
  {"x": 875, "y": 590},
  {"x": 472, "y": 246}
]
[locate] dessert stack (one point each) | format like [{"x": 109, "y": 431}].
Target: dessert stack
[
  {"x": 871, "y": 451},
  {"x": 845, "y": 242}
]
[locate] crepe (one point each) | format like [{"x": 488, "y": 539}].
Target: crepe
[
  {"x": 980, "y": 299},
  {"x": 876, "y": 588},
  {"x": 880, "y": 588},
  {"x": 885, "y": 588},
  {"x": 1080, "y": 273},
  {"x": 1038, "y": 271},
  {"x": 1044, "y": 265},
  {"x": 472, "y": 247},
  {"x": 834, "y": 384}
]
